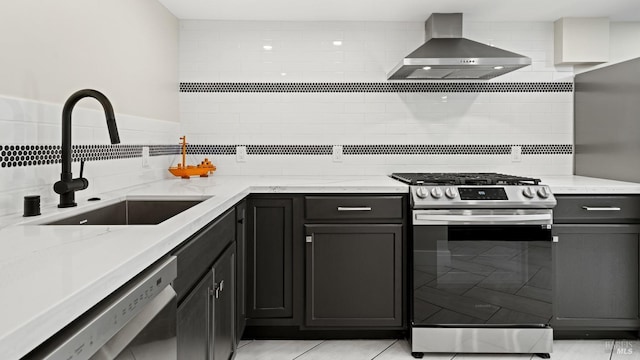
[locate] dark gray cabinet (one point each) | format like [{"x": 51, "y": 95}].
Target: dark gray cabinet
[
  {"x": 596, "y": 260},
  {"x": 241, "y": 245},
  {"x": 272, "y": 224},
  {"x": 206, "y": 318},
  {"x": 194, "y": 322},
  {"x": 196, "y": 255},
  {"x": 223, "y": 334},
  {"x": 353, "y": 275},
  {"x": 206, "y": 291},
  {"x": 354, "y": 262}
]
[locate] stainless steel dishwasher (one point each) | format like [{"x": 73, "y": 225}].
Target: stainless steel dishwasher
[{"x": 137, "y": 321}]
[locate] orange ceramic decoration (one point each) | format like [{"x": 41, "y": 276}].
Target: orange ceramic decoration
[{"x": 186, "y": 171}]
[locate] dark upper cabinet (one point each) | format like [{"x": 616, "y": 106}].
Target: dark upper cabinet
[
  {"x": 354, "y": 275},
  {"x": 271, "y": 221},
  {"x": 596, "y": 264},
  {"x": 241, "y": 245}
]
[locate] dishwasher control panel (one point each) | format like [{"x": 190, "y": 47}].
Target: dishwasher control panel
[{"x": 92, "y": 330}]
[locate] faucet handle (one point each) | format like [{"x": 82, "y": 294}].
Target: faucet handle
[{"x": 81, "y": 168}]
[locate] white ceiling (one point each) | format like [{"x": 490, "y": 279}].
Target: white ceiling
[{"x": 401, "y": 10}]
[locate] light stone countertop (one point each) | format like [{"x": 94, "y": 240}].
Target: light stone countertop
[
  {"x": 49, "y": 275},
  {"x": 571, "y": 184}
]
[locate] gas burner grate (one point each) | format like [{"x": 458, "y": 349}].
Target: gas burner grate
[{"x": 463, "y": 179}]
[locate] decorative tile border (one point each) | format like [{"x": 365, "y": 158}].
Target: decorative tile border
[
  {"x": 375, "y": 87},
  {"x": 462, "y": 149},
  {"x": 33, "y": 155}
]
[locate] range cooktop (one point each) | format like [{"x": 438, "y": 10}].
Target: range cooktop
[
  {"x": 475, "y": 190},
  {"x": 463, "y": 179}
]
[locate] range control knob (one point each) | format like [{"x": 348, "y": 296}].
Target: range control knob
[
  {"x": 436, "y": 192},
  {"x": 422, "y": 193},
  {"x": 528, "y": 192},
  {"x": 543, "y": 192},
  {"x": 451, "y": 193}
]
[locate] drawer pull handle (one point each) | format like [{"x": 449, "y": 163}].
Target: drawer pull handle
[
  {"x": 604, "y": 208},
  {"x": 354, "y": 208}
]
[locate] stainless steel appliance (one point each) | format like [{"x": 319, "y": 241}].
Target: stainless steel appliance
[
  {"x": 481, "y": 261},
  {"x": 136, "y": 322},
  {"x": 607, "y": 130},
  {"x": 446, "y": 55}
]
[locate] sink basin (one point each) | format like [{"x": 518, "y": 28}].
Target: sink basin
[{"x": 130, "y": 212}]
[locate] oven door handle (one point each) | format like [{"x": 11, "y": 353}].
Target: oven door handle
[{"x": 528, "y": 219}]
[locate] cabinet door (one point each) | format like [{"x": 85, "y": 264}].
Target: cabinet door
[
  {"x": 224, "y": 273},
  {"x": 596, "y": 276},
  {"x": 354, "y": 275},
  {"x": 241, "y": 241},
  {"x": 269, "y": 259},
  {"x": 194, "y": 321}
]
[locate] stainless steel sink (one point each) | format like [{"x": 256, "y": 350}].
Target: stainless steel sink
[{"x": 130, "y": 212}]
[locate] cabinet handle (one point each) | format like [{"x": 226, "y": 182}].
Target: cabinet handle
[
  {"x": 218, "y": 288},
  {"x": 601, "y": 208},
  {"x": 309, "y": 238},
  {"x": 354, "y": 208}
]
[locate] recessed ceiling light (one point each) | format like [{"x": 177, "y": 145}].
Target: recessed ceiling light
[
  {"x": 337, "y": 42},
  {"x": 498, "y": 67},
  {"x": 426, "y": 68},
  {"x": 283, "y": 74},
  {"x": 267, "y": 47}
]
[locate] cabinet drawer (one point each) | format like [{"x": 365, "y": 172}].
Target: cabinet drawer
[
  {"x": 196, "y": 256},
  {"x": 578, "y": 209},
  {"x": 353, "y": 207}
]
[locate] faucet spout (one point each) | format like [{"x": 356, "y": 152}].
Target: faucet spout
[{"x": 67, "y": 186}]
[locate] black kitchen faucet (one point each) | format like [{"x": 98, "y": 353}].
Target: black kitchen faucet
[{"x": 67, "y": 186}]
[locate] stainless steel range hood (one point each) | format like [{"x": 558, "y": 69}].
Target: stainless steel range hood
[{"x": 446, "y": 55}]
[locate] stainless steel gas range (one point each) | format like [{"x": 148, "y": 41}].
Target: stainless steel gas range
[{"x": 481, "y": 263}]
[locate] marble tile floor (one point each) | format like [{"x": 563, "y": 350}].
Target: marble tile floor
[{"x": 400, "y": 350}]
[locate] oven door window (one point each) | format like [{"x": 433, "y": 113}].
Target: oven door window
[{"x": 492, "y": 275}]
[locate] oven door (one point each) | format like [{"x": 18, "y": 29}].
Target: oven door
[{"x": 482, "y": 267}]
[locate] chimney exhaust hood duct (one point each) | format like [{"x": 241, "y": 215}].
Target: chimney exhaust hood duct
[{"x": 446, "y": 55}]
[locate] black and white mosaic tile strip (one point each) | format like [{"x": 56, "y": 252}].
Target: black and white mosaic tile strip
[
  {"x": 33, "y": 155},
  {"x": 462, "y": 149},
  {"x": 30, "y": 155},
  {"x": 375, "y": 87}
]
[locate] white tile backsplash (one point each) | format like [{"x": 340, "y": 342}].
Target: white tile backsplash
[
  {"x": 30, "y": 122},
  {"x": 304, "y": 52}
]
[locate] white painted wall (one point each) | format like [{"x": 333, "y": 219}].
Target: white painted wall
[{"x": 126, "y": 49}]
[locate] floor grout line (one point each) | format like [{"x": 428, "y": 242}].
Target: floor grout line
[
  {"x": 385, "y": 349},
  {"x": 318, "y": 344},
  {"x": 243, "y": 345},
  {"x": 612, "y": 348}
]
